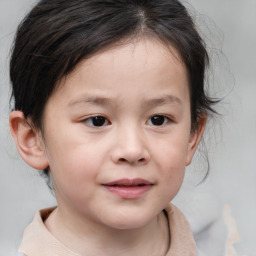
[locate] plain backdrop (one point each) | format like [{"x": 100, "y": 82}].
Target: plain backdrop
[{"x": 230, "y": 28}]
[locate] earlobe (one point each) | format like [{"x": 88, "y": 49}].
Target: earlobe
[
  {"x": 28, "y": 141},
  {"x": 195, "y": 138}
]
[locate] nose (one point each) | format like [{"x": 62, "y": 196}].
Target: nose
[{"x": 130, "y": 147}]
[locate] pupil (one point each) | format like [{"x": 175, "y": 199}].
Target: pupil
[
  {"x": 157, "y": 120},
  {"x": 98, "y": 121}
]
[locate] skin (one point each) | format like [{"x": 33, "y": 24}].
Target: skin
[{"x": 127, "y": 85}]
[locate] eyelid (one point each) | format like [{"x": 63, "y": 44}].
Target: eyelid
[
  {"x": 88, "y": 118},
  {"x": 168, "y": 119}
]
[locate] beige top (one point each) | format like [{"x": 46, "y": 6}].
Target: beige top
[{"x": 38, "y": 241}]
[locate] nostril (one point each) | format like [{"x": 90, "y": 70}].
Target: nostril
[{"x": 141, "y": 160}]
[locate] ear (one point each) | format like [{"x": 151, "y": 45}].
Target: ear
[
  {"x": 195, "y": 138},
  {"x": 28, "y": 141}
]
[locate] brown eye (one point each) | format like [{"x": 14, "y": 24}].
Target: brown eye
[
  {"x": 158, "y": 120},
  {"x": 96, "y": 121}
]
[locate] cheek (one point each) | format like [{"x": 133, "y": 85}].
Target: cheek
[
  {"x": 74, "y": 163},
  {"x": 171, "y": 162},
  {"x": 73, "y": 179},
  {"x": 172, "y": 175},
  {"x": 74, "y": 170},
  {"x": 172, "y": 154},
  {"x": 72, "y": 153}
]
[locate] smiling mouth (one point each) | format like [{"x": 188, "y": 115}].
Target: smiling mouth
[{"x": 129, "y": 188}]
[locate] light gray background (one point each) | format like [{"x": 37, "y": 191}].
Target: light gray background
[{"x": 230, "y": 25}]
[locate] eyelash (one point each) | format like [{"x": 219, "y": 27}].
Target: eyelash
[
  {"x": 160, "y": 118},
  {"x": 100, "y": 121}
]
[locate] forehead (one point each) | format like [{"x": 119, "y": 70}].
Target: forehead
[
  {"x": 125, "y": 68},
  {"x": 142, "y": 54}
]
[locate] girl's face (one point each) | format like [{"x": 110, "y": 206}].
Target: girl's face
[{"x": 117, "y": 135}]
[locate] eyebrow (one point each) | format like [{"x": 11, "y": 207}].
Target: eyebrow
[
  {"x": 165, "y": 99},
  {"x": 97, "y": 100},
  {"x": 146, "y": 103}
]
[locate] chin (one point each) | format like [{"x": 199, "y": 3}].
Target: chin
[{"x": 130, "y": 221}]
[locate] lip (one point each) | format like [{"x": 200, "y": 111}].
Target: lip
[{"x": 129, "y": 188}]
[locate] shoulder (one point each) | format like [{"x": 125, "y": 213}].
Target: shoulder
[
  {"x": 36, "y": 237},
  {"x": 182, "y": 239}
]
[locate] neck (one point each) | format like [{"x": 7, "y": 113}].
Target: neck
[{"x": 151, "y": 239}]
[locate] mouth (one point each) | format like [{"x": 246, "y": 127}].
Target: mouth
[{"x": 129, "y": 188}]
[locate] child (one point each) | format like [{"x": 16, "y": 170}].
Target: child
[{"x": 110, "y": 102}]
